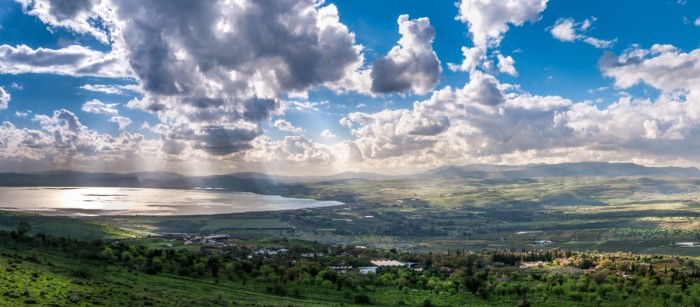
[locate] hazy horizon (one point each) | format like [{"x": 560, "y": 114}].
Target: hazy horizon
[{"x": 388, "y": 174}]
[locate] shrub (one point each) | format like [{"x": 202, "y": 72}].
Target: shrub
[{"x": 361, "y": 299}]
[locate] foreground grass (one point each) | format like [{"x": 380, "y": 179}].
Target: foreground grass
[
  {"x": 40, "y": 270},
  {"x": 46, "y": 279},
  {"x": 62, "y": 226}
]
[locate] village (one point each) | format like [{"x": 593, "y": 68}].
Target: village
[{"x": 344, "y": 258}]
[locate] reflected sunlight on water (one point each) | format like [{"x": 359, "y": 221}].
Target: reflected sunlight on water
[{"x": 131, "y": 201}]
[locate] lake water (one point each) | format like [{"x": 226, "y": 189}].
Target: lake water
[{"x": 137, "y": 201}]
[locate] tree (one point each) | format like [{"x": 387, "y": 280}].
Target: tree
[
  {"x": 361, "y": 299},
  {"x": 107, "y": 253},
  {"x": 24, "y": 227}
]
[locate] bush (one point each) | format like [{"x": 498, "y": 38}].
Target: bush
[
  {"x": 81, "y": 272},
  {"x": 277, "y": 289},
  {"x": 361, "y": 299}
]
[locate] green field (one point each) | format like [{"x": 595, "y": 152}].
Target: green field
[{"x": 631, "y": 214}]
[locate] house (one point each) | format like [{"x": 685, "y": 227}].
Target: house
[
  {"x": 269, "y": 252},
  {"x": 340, "y": 269},
  {"x": 369, "y": 269},
  {"x": 387, "y": 263}
]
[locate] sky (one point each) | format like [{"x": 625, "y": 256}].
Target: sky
[{"x": 313, "y": 87}]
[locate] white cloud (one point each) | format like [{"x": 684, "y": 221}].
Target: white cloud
[
  {"x": 112, "y": 89},
  {"x": 412, "y": 65},
  {"x": 78, "y": 15},
  {"x": 664, "y": 67},
  {"x": 217, "y": 96},
  {"x": 16, "y": 86},
  {"x": 211, "y": 100},
  {"x": 506, "y": 65},
  {"x": 63, "y": 142},
  {"x": 212, "y": 71},
  {"x": 98, "y": 107},
  {"x": 457, "y": 126},
  {"x": 567, "y": 30},
  {"x": 4, "y": 98},
  {"x": 361, "y": 105},
  {"x": 472, "y": 58},
  {"x": 21, "y": 114},
  {"x": 599, "y": 43},
  {"x": 74, "y": 60},
  {"x": 564, "y": 31},
  {"x": 304, "y": 105},
  {"x": 122, "y": 121},
  {"x": 489, "y": 20},
  {"x": 697, "y": 22},
  {"x": 284, "y": 125},
  {"x": 326, "y": 133}
]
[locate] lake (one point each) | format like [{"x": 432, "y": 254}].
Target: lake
[{"x": 138, "y": 201}]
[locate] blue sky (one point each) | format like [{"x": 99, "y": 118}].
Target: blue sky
[{"x": 587, "y": 80}]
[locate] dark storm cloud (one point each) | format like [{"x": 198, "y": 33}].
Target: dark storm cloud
[{"x": 222, "y": 141}]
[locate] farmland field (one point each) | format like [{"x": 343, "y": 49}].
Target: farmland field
[{"x": 635, "y": 214}]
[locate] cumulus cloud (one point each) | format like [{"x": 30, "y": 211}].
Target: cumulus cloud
[
  {"x": 4, "y": 98},
  {"x": 412, "y": 65},
  {"x": 472, "y": 58},
  {"x": 327, "y": 134},
  {"x": 663, "y": 67},
  {"x": 489, "y": 20},
  {"x": 284, "y": 125},
  {"x": 63, "y": 141},
  {"x": 81, "y": 16},
  {"x": 122, "y": 121},
  {"x": 197, "y": 73},
  {"x": 506, "y": 65},
  {"x": 74, "y": 60},
  {"x": 564, "y": 31},
  {"x": 462, "y": 125},
  {"x": 697, "y": 22},
  {"x": 213, "y": 72},
  {"x": 567, "y": 30},
  {"x": 208, "y": 69},
  {"x": 98, "y": 107}
]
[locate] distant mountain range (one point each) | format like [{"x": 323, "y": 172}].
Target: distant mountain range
[
  {"x": 581, "y": 169},
  {"x": 259, "y": 183}
]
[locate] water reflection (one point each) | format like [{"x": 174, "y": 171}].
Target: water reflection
[{"x": 130, "y": 201}]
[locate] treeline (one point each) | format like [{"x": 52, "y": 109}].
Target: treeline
[{"x": 512, "y": 258}]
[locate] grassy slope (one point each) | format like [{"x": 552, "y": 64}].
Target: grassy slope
[
  {"x": 63, "y": 226},
  {"x": 56, "y": 280}
]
